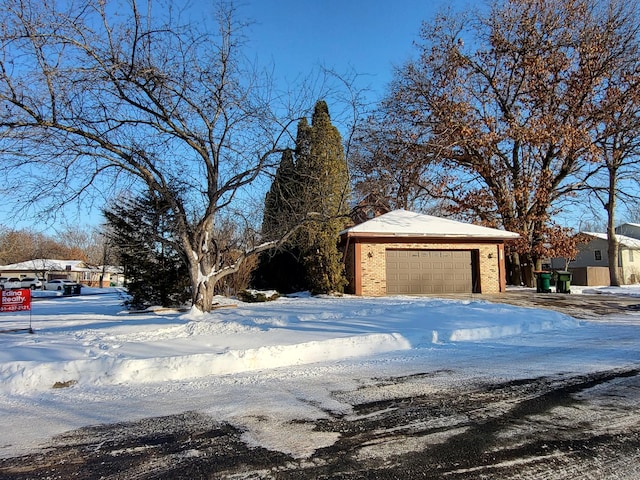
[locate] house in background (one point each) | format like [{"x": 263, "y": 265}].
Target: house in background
[
  {"x": 370, "y": 207},
  {"x": 404, "y": 252},
  {"x": 591, "y": 265},
  {"x": 629, "y": 230},
  {"x": 112, "y": 276},
  {"x": 75, "y": 270}
]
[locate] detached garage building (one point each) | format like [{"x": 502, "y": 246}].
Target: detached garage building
[{"x": 406, "y": 253}]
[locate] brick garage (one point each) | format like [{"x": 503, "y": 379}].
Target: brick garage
[{"x": 409, "y": 253}]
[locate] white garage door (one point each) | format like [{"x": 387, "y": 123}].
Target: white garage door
[{"x": 429, "y": 272}]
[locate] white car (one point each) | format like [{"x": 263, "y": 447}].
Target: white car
[
  {"x": 11, "y": 283},
  {"x": 58, "y": 284},
  {"x": 31, "y": 282}
]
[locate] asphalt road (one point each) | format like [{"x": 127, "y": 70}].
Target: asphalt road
[
  {"x": 555, "y": 427},
  {"x": 541, "y": 428}
]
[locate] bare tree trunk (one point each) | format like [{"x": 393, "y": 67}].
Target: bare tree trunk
[
  {"x": 527, "y": 271},
  {"x": 613, "y": 253},
  {"x": 201, "y": 253},
  {"x": 515, "y": 272},
  {"x": 612, "y": 240},
  {"x": 203, "y": 290}
]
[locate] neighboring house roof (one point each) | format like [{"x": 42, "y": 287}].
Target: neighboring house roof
[
  {"x": 48, "y": 264},
  {"x": 629, "y": 229},
  {"x": 404, "y": 223},
  {"x": 622, "y": 239}
]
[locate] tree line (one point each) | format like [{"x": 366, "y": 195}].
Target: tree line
[
  {"x": 71, "y": 243},
  {"x": 507, "y": 116}
]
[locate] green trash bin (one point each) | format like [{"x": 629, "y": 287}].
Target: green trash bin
[
  {"x": 66, "y": 289},
  {"x": 543, "y": 282},
  {"x": 563, "y": 282}
]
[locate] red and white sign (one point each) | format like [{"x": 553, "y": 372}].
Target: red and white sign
[{"x": 15, "y": 300}]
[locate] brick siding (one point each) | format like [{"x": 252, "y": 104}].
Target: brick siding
[{"x": 366, "y": 264}]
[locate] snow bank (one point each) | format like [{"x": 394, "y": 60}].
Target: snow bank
[
  {"x": 88, "y": 340},
  {"x": 22, "y": 377}
]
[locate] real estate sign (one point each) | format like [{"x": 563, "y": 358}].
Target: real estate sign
[{"x": 15, "y": 300}]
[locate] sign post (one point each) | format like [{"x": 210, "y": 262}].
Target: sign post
[{"x": 18, "y": 300}]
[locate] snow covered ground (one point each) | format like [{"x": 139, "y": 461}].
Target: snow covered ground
[{"x": 90, "y": 362}]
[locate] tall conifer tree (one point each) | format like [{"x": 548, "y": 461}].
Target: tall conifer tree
[
  {"x": 280, "y": 207},
  {"x": 322, "y": 169},
  {"x": 281, "y": 269},
  {"x": 317, "y": 189}
]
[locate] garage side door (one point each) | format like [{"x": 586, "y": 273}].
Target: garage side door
[{"x": 415, "y": 272}]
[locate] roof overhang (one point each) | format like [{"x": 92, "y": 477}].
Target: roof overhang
[{"x": 428, "y": 236}]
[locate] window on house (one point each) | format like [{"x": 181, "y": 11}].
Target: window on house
[
  {"x": 631, "y": 256},
  {"x": 598, "y": 255}
]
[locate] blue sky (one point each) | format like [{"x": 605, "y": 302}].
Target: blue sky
[
  {"x": 367, "y": 37},
  {"x": 297, "y": 37}
]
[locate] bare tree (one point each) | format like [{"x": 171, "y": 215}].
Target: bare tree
[
  {"x": 13, "y": 244},
  {"x": 17, "y": 246},
  {"x": 506, "y": 103},
  {"x": 620, "y": 164},
  {"x": 617, "y": 135},
  {"x": 97, "y": 95},
  {"x": 391, "y": 169}
]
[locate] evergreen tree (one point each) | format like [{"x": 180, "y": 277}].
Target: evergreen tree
[
  {"x": 281, "y": 269},
  {"x": 314, "y": 187},
  {"x": 139, "y": 232},
  {"x": 280, "y": 206},
  {"x": 322, "y": 168}
]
